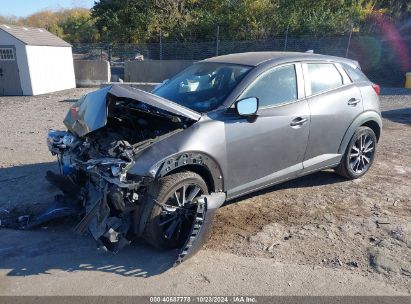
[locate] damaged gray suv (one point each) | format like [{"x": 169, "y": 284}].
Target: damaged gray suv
[{"x": 157, "y": 165}]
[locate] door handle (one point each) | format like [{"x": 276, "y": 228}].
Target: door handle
[
  {"x": 298, "y": 121},
  {"x": 353, "y": 101}
]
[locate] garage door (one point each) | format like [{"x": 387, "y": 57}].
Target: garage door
[{"x": 9, "y": 72}]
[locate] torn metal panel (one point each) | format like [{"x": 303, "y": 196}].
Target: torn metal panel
[
  {"x": 202, "y": 226},
  {"x": 90, "y": 112}
]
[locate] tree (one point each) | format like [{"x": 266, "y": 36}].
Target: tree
[
  {"x": 241, "y": 19},
  {"x": 45, "y": 19},
  {"x": 137, "y": 21},
  {"x": 320, "y": 17},
  {"x": 122, "y": 21},
  {"x": 11, "y": 20},
  {"x": 142, "y": 20},
  {"x": 77, "y": 26}
]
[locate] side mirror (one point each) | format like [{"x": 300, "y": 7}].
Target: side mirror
[{"x": 247, "y": 106}]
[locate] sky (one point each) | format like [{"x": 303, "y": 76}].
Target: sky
[{"x": 23, "y": 8}]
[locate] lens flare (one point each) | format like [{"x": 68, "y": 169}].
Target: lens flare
[
  {"x": 393, "y": 37},
  {"x": 368, "y": 51}
]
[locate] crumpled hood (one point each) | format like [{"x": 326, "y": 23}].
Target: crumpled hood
[{"x": 89, "y": 113}]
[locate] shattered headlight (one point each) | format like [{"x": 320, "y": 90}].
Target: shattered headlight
[
  {"x": 68, "y": 140},
  {"x": 115, "y": 167}
]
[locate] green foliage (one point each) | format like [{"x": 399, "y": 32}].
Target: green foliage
[
  {"x": 319, "y": 17},
  {"x": 134, "y": 21},
  {"x": 78, "y": 26},
  {"x": 121, "y": 21}
]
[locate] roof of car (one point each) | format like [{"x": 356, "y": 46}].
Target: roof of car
[{"x": 256, "y": 58}]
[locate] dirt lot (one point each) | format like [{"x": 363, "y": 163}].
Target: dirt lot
[{"x": 319, "y": 234}]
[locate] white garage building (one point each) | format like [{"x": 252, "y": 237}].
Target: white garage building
[{"x": 34, "y": 61}]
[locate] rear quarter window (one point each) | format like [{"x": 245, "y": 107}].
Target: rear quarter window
[
  {"x": 355, "y": 74},
  {"x": 323, "y": 77}
]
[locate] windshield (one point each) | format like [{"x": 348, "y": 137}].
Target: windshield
[{"x": 202, "y": 87}]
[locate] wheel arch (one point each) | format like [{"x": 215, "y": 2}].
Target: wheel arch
[
  {"x": 198, "y": 162},
  {"x": 371, "y": 119},
  {"x": 373, "y": 125}
]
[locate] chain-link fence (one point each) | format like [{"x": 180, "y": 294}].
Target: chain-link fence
[
  {"x": 200, "y": 50},
  {"x": 384, "y": 60}
]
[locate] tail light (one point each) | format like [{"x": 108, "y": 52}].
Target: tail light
[{"x": 376, "y": 88}]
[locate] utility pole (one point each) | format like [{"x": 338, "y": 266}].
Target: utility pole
[
  {"x": 161, "y": 45},
  {"x": 218, "y": 40},
  {"x": 286, "y": 37},
  {"x": 110, "y": 52},
  {"x": 349, "y": 41}
]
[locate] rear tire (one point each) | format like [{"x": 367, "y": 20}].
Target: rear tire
[
  {"x": 173, "y": 204},
  {"x": 359, "y": 155}
]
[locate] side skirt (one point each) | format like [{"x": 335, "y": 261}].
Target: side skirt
[{"x": 312, "y": 165}]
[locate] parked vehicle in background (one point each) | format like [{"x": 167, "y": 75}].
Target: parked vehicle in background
[{"x": 157, "y": 165}]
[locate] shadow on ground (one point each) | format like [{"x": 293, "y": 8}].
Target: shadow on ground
[
  {"x": 26, "y": 185},
  {"x": 41, "y": 250},
  {"x": 402, "y": 116},
  {"x": 315, "y": 179},
  {"x": 57, "y": 248},
  {"x": 395, "y": 92},
  {"x": 73, "y": 100}
]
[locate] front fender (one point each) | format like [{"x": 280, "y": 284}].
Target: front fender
[
  {"x": 359, "y": 121},
  {"x": 202, "y": 145}
]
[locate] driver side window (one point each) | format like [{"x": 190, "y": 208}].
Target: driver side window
[{"x": 274, "y": 87}]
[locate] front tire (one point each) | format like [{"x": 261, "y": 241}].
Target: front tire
[
  {"x": 359, "y": 155},
  {"x": 173, "y": 200}
]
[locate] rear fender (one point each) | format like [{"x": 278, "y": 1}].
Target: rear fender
[{"x": 359, "y": 121}]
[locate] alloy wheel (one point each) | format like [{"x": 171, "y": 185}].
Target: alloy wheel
[
  {"x": 361, "y": 153},
  {"x": 179, "y": 211}
]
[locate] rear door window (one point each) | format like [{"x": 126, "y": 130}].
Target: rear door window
[{"x": 323, "y": 77}]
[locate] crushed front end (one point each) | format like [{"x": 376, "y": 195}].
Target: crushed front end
[
  {"x": 107, "y": 131},
  {"x": 93, "y": 171}
]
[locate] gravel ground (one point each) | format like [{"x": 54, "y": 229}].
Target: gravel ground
[{"x": 359, "y": 229}]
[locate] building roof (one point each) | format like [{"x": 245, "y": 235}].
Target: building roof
[
  {"x": 256, "y": 58},
  {"x": 33, "y": 35}
]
